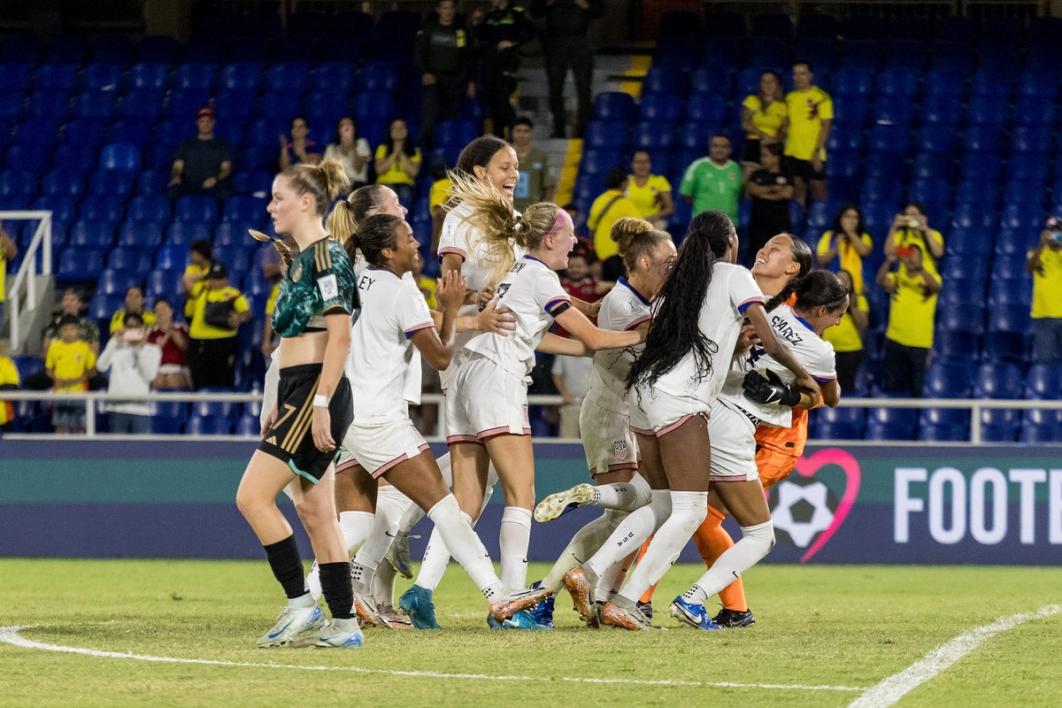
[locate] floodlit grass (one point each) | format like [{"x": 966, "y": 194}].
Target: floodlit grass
[{"x": 840, "y": 626}]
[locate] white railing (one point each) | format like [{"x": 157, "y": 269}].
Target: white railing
[
  {"x": 27, "y": 272},
  {"x": 89, "y": 399}
]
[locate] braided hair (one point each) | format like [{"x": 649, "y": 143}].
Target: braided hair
[
  {"x": 821, "y": 288},
  {"x": 674, "y": 330}
]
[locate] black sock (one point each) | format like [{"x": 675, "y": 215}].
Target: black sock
[
  {"x": 335, "y": 584},
  {"x": 287, "y": 566}
]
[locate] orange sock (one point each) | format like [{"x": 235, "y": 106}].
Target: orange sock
[
  {"x": 647, "y": 596},
  {"x": 712, "y": 541}
]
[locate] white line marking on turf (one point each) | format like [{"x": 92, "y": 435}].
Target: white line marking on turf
[
  {"x": 895, "y": 687},
  {"x": 11, "y": 635}
]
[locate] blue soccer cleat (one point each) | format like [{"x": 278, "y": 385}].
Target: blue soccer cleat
[
  {"x": 341, "y": 634},
  {"x": 417, "y": 603},
  {"x": 692, "y": 614},
  {"x": 542, "y": 613},
  {"x": 523, "y": 620}
]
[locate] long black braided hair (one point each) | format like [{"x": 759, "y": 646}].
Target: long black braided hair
[{"x": 674, "y": 330}]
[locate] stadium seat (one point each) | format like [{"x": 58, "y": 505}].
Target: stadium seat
[
  {"x": 102, "y": 208},
  {"x": 948, "y": 380},
  {"x": 891, "y": 424},
  {"x": 662, "y": 107},
  {"x": 599, "y": 162},
  {"x": 110, "y": 183},
  {"x": 126, "y": 259},
  {"x": 18, "y": 184},
  {"x": 140, "y": 234},
  {"x": 152, "y": 209},
  {"x": 842, "y": 423},
  {"x": 244, "y": 210},
  {"x": 92, "y": 234},
  {"x": 653, "y": 135},
  {"x": 898, "y": 83},
  {"x": 606, "y": 134},
  {"x": 852, "y": 83},
  {"x": 210, "y": 425},
  {"x": 240, "y": 77},
  {"x": 172, "y": 257},
  {"x": 59, "y": 76},
  {"x": 79, "y": 265},
  {"x": 1044, "y": 381},
  {"x": 614, "y": 106},
  {"x": 331, "y": 77},
  {"x": 944, "y": 425},
  {"x": 197, "y": 209},
  {"x": 1041, "y": 425},
  {"x": 999, "y": 380},
  {"x": 59, "y": 183},
  {"x": 455, "y": 132},
  {"x": 1000, "y": 425},
  {"x": 115, "y": 282}
]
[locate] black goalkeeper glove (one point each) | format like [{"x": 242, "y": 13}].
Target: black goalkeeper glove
[{"x": 770, "y": 389}]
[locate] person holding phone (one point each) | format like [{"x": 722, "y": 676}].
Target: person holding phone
[
  {"x": 911, "y": 227},
  {"x": 909, "y": 336},
  {"x": 133, "y": 364},
  {"x": 1045, "y": 264}
]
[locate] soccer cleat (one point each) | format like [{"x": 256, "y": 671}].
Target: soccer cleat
[
  {"x": 368, "y": 613},
  {"x": 692, "y": 614},
  {"x": 582, "y": 594},
  {"x": 293, "y": 625},
  {"x": 556, "y": 505},
  {"x": 646, "y": 608},
  {"x": 398, "y": 555},
  {"x": 522, "y": 620},
  {"x": 416, "y": 602},
  {"x": 342, "y": 634},
  {"x": 612, "y": 615},
  {"x": 542, "y": 613},
  {"x": 733, "y": 618},
  {"x": 395, "y": 617},
  {"x": 524, "y": 599}
]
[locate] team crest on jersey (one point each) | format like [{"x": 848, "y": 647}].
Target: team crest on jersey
[
  {"x": 296, "y": 271},
  {"x": 620, "y": 448}
]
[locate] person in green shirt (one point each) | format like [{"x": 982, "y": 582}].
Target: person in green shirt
[{"x": 714, "y": 182}]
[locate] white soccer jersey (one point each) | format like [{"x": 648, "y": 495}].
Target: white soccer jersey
[
  {"x": 810, "y": 350},
  {"x": 731, "y": 292},
  {"x": 624, "y": 308},
  {"x": 534, "y": 294},
  {"x": 392, "y": 310},
  {"x": 414, "y": 373}
]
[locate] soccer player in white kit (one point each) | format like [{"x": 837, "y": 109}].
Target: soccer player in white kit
[
  {"x": 673, "y": 385},
  {"x": 487, "y": 400},
  {"x": 604, "y": 419},
  {"x": 760, "y": 391},
  {"x": 384, "y": 441}
]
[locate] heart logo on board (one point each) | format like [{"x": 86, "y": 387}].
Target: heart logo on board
[{"x": 809, "y": 467}]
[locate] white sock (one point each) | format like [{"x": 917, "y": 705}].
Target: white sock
[
  {"x": 356, "y": 527},
  {"x": 632, "y": 532},
  {"x": 625, "y": 496},
  {"x": 756, "y": 542},
  {"x": 302, "y": 601},
  {"x": 391, "y": 505},
  {"x": 313, "y": 583},
  {"x": 383, "y": 584},
  {"x": 514, "y": 539},
  {"x": 436, "y": 555},
  {"x": 584, "y": 544},
  {"x": 688, "y": 510},
  {"x": 465, "y": 545}
]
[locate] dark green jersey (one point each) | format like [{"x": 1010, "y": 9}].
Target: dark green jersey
[{"x": 319, "y": 281}]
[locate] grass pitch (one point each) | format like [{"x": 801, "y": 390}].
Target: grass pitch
[{"x": 831, "y": 627}]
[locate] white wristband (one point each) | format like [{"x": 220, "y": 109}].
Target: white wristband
[{"x": 320, "y": 401}]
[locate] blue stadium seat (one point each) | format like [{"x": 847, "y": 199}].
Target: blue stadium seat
[
  {"x": 154, "y": 209},
  {"x": 852, "y": 83},
  {"x": 141, "y": 104},
  {"x": 60, "y": 183},
  {"x": 111, "y": 183},
  {"x": 1041, "y": 425},
  {"x": 942, "y": 82},
  {"x": 232, "y": 233},
  {"x": 1016, "y": 291},
  {"x": 252, "y": 182},
  {"x": 195, "y": 76},
  {"x": 936, "y": 138},
  {"x": 171, "y": 257},
  {"x": 660, "y": 81},
  {"x": 281, "y": 106},
  {"x": 984, "y": 138},
  {"x": 15, "y": 74},
  {"x": 95, "y": 104},
  {"x": 77, "y": 264},
  {"x": 244, "y": 210},
  {"x": 706, "y": 109},
  {"x": 140, "y": 234},
  {"x": 18, "y": 183},
  {"x": 236, "y": 257},
  {"x": 944, "y": 424},
  {"x": 973, "y": 214},
  {"x": 455, "y": 132},
  {"x": 990, "y": 111},
  {"x": 906, "y": 53},
  {"x": 711, "y": 81},
  {"x": 1044, "y": 381},
  {"x": 377, "y": 76},
  {"x": 163, "y": 283},
  {"x": 47, "y": 104},
  {"x": 152, "y": 182},
  {"x": 115, "y": 282},
  {"x": 948, "y": 380},
  {"x": 1021, "y": 217},
  {"x": 1000, "y": 425},
  {"x": 1033, "y": 110},
  {"x": 1026, "y": 139},
  {"x": 973, "y": 241},
  {"x": 898, "y": 83},
  {"x": 102, "y": 208},
  {"x": 606, "y": 134},
  {"x": 210, "y": 425},
  {"x": 99, "y": 76},
  {"x": 287, "y": 76},
  {"x": 653, "y": 136},
  {"x": 225, "y": 409},
  {"x": 64, "y": 209},
  {"x": 92, "y": 234},
  {"x": 332, "y": 77},
  {"x": 1025, "y": 192},
  {"x": 197, "y": 209},
  {"x": 891, "y": 424},
  {"x": 240, "y": 76},
  {"x": 184, "y": 233},
  {"x": 614, "y": 105},
  {"x": 842, "y": 423},
  {"x": 373, "y": 106},
  {"x": 599, "y": 162},
  {"x": 182, "y": 105},
  {"x": 56, "y": 76},
  {"x": 84, "y": 132},
  {"x": 999, "y": 380},
  {"x": 120, "y": 156},
  {"x": 248, "y": 425},
  {"x": 1008, "y": 266},
  {"x": 662, "y": 107},
  {"x": 148, "y": 76}
]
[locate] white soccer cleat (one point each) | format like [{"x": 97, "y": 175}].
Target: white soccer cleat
[
  {"x": 293, "y": 626},
  {"x": 341, "y": 634},
  {"x": 556, "y": 505}
]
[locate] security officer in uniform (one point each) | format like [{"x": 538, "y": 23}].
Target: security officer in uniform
[
  {"x": 500, "y": 35},
  {"x": 445, "y": 55},
  {"x": 566, "y": 45}
]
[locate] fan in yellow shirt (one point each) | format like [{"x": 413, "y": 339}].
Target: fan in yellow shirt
[
  {"x": 69, "y": 363},
  {"x": 1045, "y": 263},
  {"x": 651, "y": 194},
  {"x": 606, "y": 210},
  {"x": 9, "y": 380},
  {"x": 847, "y": 335},
  {"x": 848, "y": 243},
  {"x": 809, "y": 115},
  {"x": 762, "y": 117},
  {"x": 134, "y": 302},
  {"x": 909, "y": 335}
]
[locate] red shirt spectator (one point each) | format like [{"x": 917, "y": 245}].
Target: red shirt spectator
[
  {"x": 172, "y": 338},
  {"x": 579, "y": 283}
]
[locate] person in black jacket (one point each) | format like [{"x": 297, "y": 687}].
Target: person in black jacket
[
  {"x": 445, "y": 56},
  {"x": 566, "y": 44},
  {"x": 499, "y": 36}
]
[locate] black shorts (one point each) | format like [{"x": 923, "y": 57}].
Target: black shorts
[
  {"x": 751, "y": 152},
  {"x": 290, "y": 439},
  {"x": 802, "y": 169}
]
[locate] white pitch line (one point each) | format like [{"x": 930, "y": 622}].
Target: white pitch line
[
  {"x": 895, "y": 687},
  {"x": 11, "y": 635}
]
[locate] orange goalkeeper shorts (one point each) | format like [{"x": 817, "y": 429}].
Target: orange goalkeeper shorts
[{"x": 773, "y": 466}]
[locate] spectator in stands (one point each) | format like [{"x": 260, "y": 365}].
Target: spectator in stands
[
  {"x": 846, "y": 244},
  {"x": 847, "y": 336},
  {"x": 650, "y": 193},
  {"x": 200, "y": 258},
  {"x": 437, "y": 197},
  {"x": 606, "y": 210},
  {"x": 909, "y": 336},
  {"x": 1045, "y": 263},
  {"x": 568, "y": 47},
  {"x": 133, "y": 363},
  {"x": 202, "y": 164},
  {"x": 350, "y": 150},
  {"x": 571, "y": 376},
  {"x": 299, "y": 149},
  {"x": 71, "y": 305},
  {"x": 499, "y": 35},
  {"x": 770, "y": 190},
  {"x": 172, "y": 340},
  {"x": 70, "y": 362},
  {"x": 398, "y": 162},
  {"x": 536, "y": 183},
  {"x": 763, "y": 117},
  {"x": 445, "y": 55},
  {"x": 216, "y": 310},
  {"x": 269, "y": 341},
  {"x": 809, "y": 115},
  {"x": 912, "y": 228},
  {"x": 713, "y": 182},
  {"x": 9, "y": 381},
  {"x": 8, "y": 251},
  {"x": 134, "y": 304}
]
